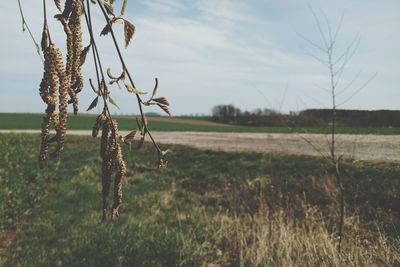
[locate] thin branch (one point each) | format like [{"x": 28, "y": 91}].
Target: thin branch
[
  {"x": 140, "y": 102},
  {"x": 45, "y": 25},
  {"x": 25, "y": 25},
  {"x": 358, "y": 90},
  {"x": 319, "y": 27}
]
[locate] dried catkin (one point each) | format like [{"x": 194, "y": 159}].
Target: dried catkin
[
  {"x": 98, "y": 124},
  {"x": 75, "y": 27},
  {"x": 106, "y": 165},
  {"x": 121, "y": 172},
  {"x": 69, "y": 61},
  {"x": 48, "y": 93},
  {"x": 54, "y": 84},
  {"x": 44, "y": 146},
  {"x": 63, "y": 100}
]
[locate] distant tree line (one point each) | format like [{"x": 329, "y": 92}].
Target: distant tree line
[{"x": 309, "y": 117}]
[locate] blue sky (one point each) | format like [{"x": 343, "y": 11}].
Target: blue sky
[{"x": 247, "y": 53}]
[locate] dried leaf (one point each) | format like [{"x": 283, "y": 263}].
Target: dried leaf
[
  {"x": 106, "y": 29},
  {"x": 109, "y": 8},
  {"x": 129, "y": 30},
  {"x": 58, "y": 4},
  {"x": 165, "y": 108},
  {"x": 161, "y": 100},
  {"x": 93, "y": 87},
  {"x": 84, "y": 53},
  {"x": 123, "y": 7},
  {"x": 93, "y": 104},
  {"x": 130, "y": 136},
  {"x": 112, "y": 101},
  {"x": 133, "y": 90}
]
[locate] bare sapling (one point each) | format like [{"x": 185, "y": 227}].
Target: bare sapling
[{"x": 335, "y": 60}]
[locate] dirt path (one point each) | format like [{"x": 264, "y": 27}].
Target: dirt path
[{"x": 360, "y": 147}]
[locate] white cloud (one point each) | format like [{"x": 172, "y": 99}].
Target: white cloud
[{"x": 210, "y": 52}]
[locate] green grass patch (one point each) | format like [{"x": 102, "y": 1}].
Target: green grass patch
[
  {"x": 206, "y": 208},
  {"x": 85, "y": 122}
]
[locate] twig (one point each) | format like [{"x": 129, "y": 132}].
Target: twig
[{"x": 25, "y": 25}]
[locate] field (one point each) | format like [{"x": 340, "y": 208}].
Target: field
[
  {"x": 207, "y": 208},
  {"x": 85, "y": 122}
]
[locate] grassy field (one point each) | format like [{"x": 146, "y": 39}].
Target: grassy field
[
  {"x": 206, "y": 209},
  {"x": 82, "y": 122}
]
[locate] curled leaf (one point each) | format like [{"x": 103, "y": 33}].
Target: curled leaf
[
  {"x": 110, "y": 75},
  {"x": 93, "y": 87},
  {"x": 129, "y": 30},
  {"x": 93, "y": 104},
  {"x": 112, "y": 101},
  {"x": 133, "y": 90}
]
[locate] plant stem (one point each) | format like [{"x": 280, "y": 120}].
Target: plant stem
[
  {"x": 25, "y": 24},
  {"x": 140, "y": 102}
]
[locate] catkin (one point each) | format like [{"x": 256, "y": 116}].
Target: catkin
[
  {"x": 106, "y": 165},
  {"x": 44, "y": 146},
  {"x": 63, "y": 100},
  {"x": 48, "y": 93},
  {"x": 68, "y": 68},
  {"x": 119, "y": 164},
  {"x": 121, "y": 172},
  {"x": 76, "y": 48},
  {"x": 54, "y": 89},
  {"x": 98, "y": 124}
]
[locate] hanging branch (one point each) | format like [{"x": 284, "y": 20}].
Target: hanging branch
[{"x": 61, "y": 80}]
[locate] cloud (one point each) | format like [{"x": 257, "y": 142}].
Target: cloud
[{"x": 211, "y": 52}]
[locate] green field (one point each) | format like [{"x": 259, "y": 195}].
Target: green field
[
  {"x": 85, "y": 122},
  {"x": 215, "y": 208}
]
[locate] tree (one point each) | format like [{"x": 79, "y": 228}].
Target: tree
[
  {"x": 335, "y": 61},
  {"x": 226, "y": 113}
]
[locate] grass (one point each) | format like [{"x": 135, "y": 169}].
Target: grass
[
  {"x": 206, "y": 209},
  {"x": 85, "y": 122}
]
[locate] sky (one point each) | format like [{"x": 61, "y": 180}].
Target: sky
[{"x": 252, "y": 54}]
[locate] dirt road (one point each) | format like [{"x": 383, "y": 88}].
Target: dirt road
[{"x": 360, "y": 147}]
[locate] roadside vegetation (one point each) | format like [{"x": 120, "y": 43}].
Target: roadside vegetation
[{"x": 208, "y": 208}]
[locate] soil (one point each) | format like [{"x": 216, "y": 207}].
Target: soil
[{"x": 358, "y": 147}]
